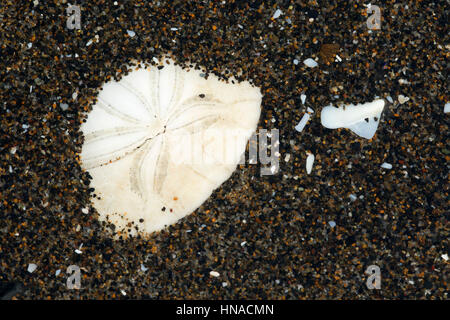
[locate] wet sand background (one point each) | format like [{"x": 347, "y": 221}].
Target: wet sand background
[{"x": 268, "y": 237}]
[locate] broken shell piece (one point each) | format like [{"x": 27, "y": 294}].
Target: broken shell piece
[
  {"x": 303, "y": 98},
  {"x": 362, "y": 119},
  {"x": 386, "y": 165},
  {"x": 214, "y": 274},
  {"x": 402, "y": 99},
  {"x": 309, "y": 162},
  {"x": 301, "y": 125},
  {"x": 310, "y": 63},
  {"x": 31, "y": 267}
]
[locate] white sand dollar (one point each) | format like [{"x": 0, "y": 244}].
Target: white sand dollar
[{"x": 158, "y": 142}]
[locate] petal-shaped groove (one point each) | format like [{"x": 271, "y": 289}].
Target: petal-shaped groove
[
  {"x": 109, "y": 108},
  {"x": 149, "y": 106},
  {"x": 170, "y": 99},
  {"x": 144, "y": 168},
  {"x": 193, "y": 103},
  {"x": 199, "y": 124},
  {"x": 153, "y": 89},
  {"x": 105, "y": 146}
]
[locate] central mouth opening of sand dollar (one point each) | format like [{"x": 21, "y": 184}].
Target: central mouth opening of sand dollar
[{"x": 160, "y": 140}]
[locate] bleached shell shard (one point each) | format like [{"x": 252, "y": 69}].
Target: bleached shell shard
[
  {"x": 362, "y": 119},
  {"x": 447, "y": 107},
  {"x": 309, "y": 162},
  {"x": 158, "y": 143}
]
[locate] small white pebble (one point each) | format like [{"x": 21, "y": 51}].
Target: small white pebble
[
  {"x": 445, "y": 257},
  {"x": 31, "y": 267},
  {"x": 447, "y": 107},
  {"x": 74, "y": 95},
  {"x": 296, "y": 61},
  {"x": 64, "y": 106},
  {"x": 243, "y": 243},
  {"x": 339, "y": 59},
  {"x": 310, "y": 63},
  {"x": 115, "y": 3},
  {"x": 131, "y": 33},
  {"x": 85, "y": 210},
  {"x": 353, "y": 197},
  {"x": 214, "y": 274},
  {"x": 332, "y": 224},
  {"x": 57, "y": 272},
  {"x": 88, "y": 43},
  {"x": 224, "y": 284},
  {"x": 29, "y": 45},
  {"x": 78, "y": 251},
  {"x": 402, "y": 99},
  {"x": 386, "y": 165},
  {"x": 174, "y": 29},
  {"x": 310, "y": 110},
  {"x": 123, "y": 292},
  {"x": 277, "y": 14},
  {"x": 13, "y": 150},
  {"x": 143, "y": 268},
  {"x": 287, "y": 157},
  {"x": 309, "y": 162},
  {"x": 303, "y": 98},
  {"x": 389, "y": 98},
  {"x": 303, "y": 121}
]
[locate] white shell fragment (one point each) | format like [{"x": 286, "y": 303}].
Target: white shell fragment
[
  {"x": 303, "y": 98},
  {"x": 214, "y": 274},
  {"x": 386, "y": 165},
  {"x": 309, "y": 162},
  {"x": 31, "y": 267},
  {"x": 303, "y": 121},
  {"x": 447, "y": 107},
  {"x": 277, "y": 14},
  {"x": 362, "y": 119},
  {"x": 402, "y": 99},
  {"x": 158, "y": 142},
  {"x": 310, "y": 63}
]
